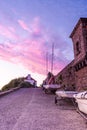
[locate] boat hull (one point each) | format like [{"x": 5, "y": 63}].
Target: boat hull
[
  {"x": 82, "y": 105},
  {"x": 51, "y": 86},
  {"x": 66, "y": 94},
  {"x": 81, "y": 99}
]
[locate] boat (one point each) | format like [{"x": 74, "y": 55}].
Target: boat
[
  {"x": 51, "y": 87},
  {"x": 64, "y": 94},
  {"x": 81, "y": 99},
  {"x": 49, "y": 84}
]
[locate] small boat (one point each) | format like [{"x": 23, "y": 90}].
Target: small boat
[
  {"x": 81, "y": 99},
  {"x": 64, "y": 95},
  {"x": 51, "y": 87}
]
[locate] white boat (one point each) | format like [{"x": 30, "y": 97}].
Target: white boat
[
  {"x": 81, "y": 99},
  {"x": 65, "y": 94},
  {"x": 51, "y": 88}
]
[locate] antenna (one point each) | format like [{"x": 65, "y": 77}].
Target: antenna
[{"x": 52, "y": 57}]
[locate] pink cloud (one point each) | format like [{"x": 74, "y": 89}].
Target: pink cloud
[
  {"x": 36, "y": 26},
  {"x": 31, "y": 52},
  {"x": 31, "y": 55},
  {"x": 24, "y": 25},
  {"x": 8, "y": 32}
]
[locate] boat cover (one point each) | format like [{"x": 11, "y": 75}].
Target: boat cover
[{"x": 82, "y": 95}]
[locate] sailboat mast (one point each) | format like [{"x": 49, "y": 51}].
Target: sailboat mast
[
  {"x": 47, "y": 63},
  {"x": 52, "y": 57}
]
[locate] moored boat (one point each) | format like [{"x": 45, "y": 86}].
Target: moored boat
[
  {"x": 51, "y": 87},
  {"x": 81, "y": 99},
  {"x": 66, "y": 94}
]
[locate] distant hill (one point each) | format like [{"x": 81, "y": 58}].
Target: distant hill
[{"x": 15, "y": 83}]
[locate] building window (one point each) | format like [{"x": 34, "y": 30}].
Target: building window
[
  {"x": 77, "y": 48},
  {"x": 84, "y": 63},
  {"x": 86, "y": 41}
]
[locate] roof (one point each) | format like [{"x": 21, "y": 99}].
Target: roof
[
  {"x": 81, "y": 20},
  {"x": 30, "y": 77}
]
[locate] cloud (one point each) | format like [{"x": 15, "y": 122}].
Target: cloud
[
  {"x": 34, "y": 28},
  {"x": 31, "y": 51},
  {"x": 8, "y": 32},
  {"x": 24, "y": 25}
]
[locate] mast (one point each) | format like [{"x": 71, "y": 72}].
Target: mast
[
  {"x": 47, "y": 63},
  {"x": 52, "y": 57}
]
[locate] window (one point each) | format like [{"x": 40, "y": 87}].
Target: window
[
  {"x": 86, "y": 40},
  {"x": 77, "y": 48}
]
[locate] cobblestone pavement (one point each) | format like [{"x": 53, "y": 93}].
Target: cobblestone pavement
[{"x": 32, "y": 109}]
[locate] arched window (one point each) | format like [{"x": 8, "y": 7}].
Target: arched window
[
  {"x": 86, "y": 40},
  {"x": 77, "y": 48}
]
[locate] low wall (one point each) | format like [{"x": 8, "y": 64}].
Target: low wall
[{"x": 9, "y": 91}]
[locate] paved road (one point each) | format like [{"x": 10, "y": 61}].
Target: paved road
[{"x": 31, "y": 109}]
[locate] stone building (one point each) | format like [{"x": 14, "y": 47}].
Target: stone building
[{"x": 74, "y": 75}]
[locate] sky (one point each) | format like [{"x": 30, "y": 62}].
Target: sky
[{"x": 29, "y": 28}]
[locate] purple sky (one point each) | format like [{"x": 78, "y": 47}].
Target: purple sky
[{"x": 27, "y": 30}]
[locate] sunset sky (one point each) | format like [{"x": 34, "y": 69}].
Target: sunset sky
[{"x": 27, "y": 30}]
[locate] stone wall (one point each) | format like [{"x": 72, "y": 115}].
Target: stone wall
[
  {"x": 66, "y": 78},
  {"x": 81, "y": 79}
]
